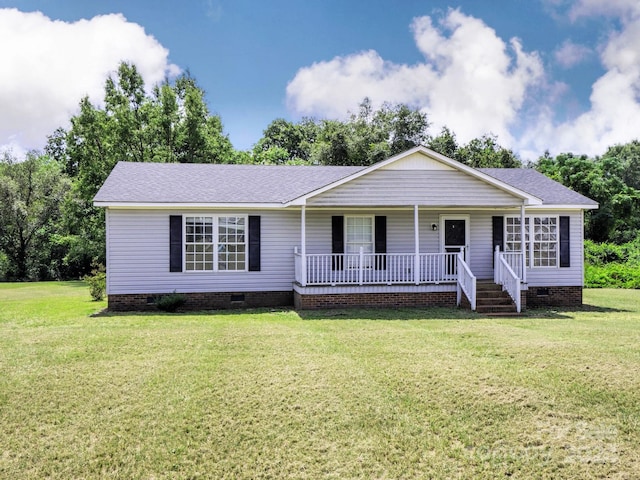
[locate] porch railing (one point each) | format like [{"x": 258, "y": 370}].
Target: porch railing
[
  {"x": 466, "y": 282},
  {"x": 375, "y": 268},
  {"x": 506, "y": 276}
]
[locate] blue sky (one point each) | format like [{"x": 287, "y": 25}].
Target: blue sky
[{"x": 558, "y": 75}]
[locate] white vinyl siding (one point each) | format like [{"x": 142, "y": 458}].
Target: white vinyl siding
[
  {"x": 138, "y": 252},
  {"x": 138, "y": 248},
  {"x": 403, "y": 187}
]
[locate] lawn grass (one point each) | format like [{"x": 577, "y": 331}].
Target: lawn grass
[{"x": 341, "y": 394}]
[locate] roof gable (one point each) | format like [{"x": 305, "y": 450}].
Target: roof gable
[{"x": 421, "y": 158}]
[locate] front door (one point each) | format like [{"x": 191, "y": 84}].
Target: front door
[{"x": 454, "y": 238}]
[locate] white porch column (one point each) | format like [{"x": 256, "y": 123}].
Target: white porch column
[
  {"x": 416, "y": 240},
  {"x": 523, "y": 243},
  {"x": 303, "y": 245}
]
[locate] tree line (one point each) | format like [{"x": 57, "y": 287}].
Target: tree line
[{"x": 49, "y": 228}]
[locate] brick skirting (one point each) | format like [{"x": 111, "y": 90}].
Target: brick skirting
[
  {"x": 376, "y": 300},
  {"x": 553, "y": 297},
  {"x": 203, "y": 301}
]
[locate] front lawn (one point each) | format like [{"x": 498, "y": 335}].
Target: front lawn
[{"x": 342, "y": 394}]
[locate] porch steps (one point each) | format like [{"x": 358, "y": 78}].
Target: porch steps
[{"x": 492, "y": 300}]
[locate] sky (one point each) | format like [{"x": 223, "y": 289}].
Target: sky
[{"x": 541, "y": 75}]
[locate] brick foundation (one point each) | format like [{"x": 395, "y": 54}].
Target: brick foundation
[
  {"x": 553, "y": 297},
  {"x": 376, "y": 300},
  {"x": 203, "y": 301}
]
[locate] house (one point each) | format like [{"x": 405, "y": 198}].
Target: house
[{"x": 418, "y": 229}]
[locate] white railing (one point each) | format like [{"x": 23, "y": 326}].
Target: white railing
[
  {"x": 375, "y": 268},
  {"x": 506, "y": 276},
  {"x": 514, "y": 260},
  {"x": 466, "y": 282}
]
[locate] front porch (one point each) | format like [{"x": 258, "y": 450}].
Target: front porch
[
  {"x": 424, "y": 279},
  {"x": 426, "y": 254}
]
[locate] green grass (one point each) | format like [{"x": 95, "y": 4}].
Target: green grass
[{"x": 343, "y": 394}]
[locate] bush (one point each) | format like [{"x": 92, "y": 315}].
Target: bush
[
  {"x": 612, "y": 275},
  {"x": 170, "y": 302},
  {"x": 97, "y": 282}
]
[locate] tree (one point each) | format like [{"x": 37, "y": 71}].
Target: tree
[
  {"x": 602, "y": 179},
  {"x": 286, "y": 142},
  {"x": 445, "y": 143},
  {"x": 485, "y": 152},
  {"x": 172, "y": 124},
  {"x": 30, "y": 195}
]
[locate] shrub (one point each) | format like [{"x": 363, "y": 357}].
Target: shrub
[
  {"x": 97, "y": 282},
  {"x": 612, "y": 275},
  {"x": 170, "y": 302}
]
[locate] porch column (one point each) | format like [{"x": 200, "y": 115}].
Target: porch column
[
  {"x": 523, "y": 243},
  {"x": 416, "y": 240},
  {"x": 303, "y": 245}
]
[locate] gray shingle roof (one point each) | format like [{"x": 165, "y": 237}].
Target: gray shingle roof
[
  {"x": 237, "y": 184},
  {"x": 535, "y": 183},
  {"x": 209, "y": 183}
]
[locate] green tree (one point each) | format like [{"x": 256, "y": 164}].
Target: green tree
[
  {"x": 602, "y": 179},
  {"x": 445, "y": 143},
  {"x": 170, "y": 124},
  {"x": 286, "y": 142},
  {"x": 485, "y": 152},
  {"x": 30, "y": 196}
]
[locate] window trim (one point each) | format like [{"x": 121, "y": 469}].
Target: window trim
[
  {"x": 530, "y": 221},
  {"x": 215, "y": 217}
]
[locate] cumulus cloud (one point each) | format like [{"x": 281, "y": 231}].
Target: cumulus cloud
[
  {"x": 49, "y": 65},
  {"x": 614, "y": 108},
  {"x": 570, "y": 54},
  {"x": 471, "y": 80}
]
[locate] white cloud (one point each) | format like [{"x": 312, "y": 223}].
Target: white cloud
[
  {"x": 618, "y": 8},
  {"x": 47, "y": 66},
  {"x": 614, "y": 109},
  {"x": 471, "y": 80},
  {"x": 570, "y": 54}
]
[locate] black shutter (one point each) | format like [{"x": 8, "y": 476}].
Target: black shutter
[
  {"x": 337, "y": 240},
  {"x": 565, "y": 248},
  {"x": 254, "y": 243},
  {"x": 381, "y": 242},
  {"x": 498, "y": 234},
  {"x": 175, "y": 243}
]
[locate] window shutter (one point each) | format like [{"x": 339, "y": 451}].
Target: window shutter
[
  {"x": 565, "y": 242},
  {"x": 175, "y": 243},
  {"x": 337, "y": 240},
  {"x": 381, "y": 241},
  {"x": 498, "y": 234},
  {"x": 254, "y": 243}
]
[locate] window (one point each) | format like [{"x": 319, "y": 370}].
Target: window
[
  {"x": 544, "y": 249},
  {"x": 215, "y": 243},
  {"x": 359, "y": 234}
]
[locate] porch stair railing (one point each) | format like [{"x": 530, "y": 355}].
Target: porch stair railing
[
  {"x": 504, "y": 272},
  {"x": 466, "y": 282}
]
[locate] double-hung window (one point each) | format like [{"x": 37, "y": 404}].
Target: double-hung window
[
  {"x": 541, "y": 239},
  {"x": 359, "y": 235},
  {"x": 215, "y": 243}
]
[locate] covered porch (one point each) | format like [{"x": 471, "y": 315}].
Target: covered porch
[{"x": 439, "y": 263}]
